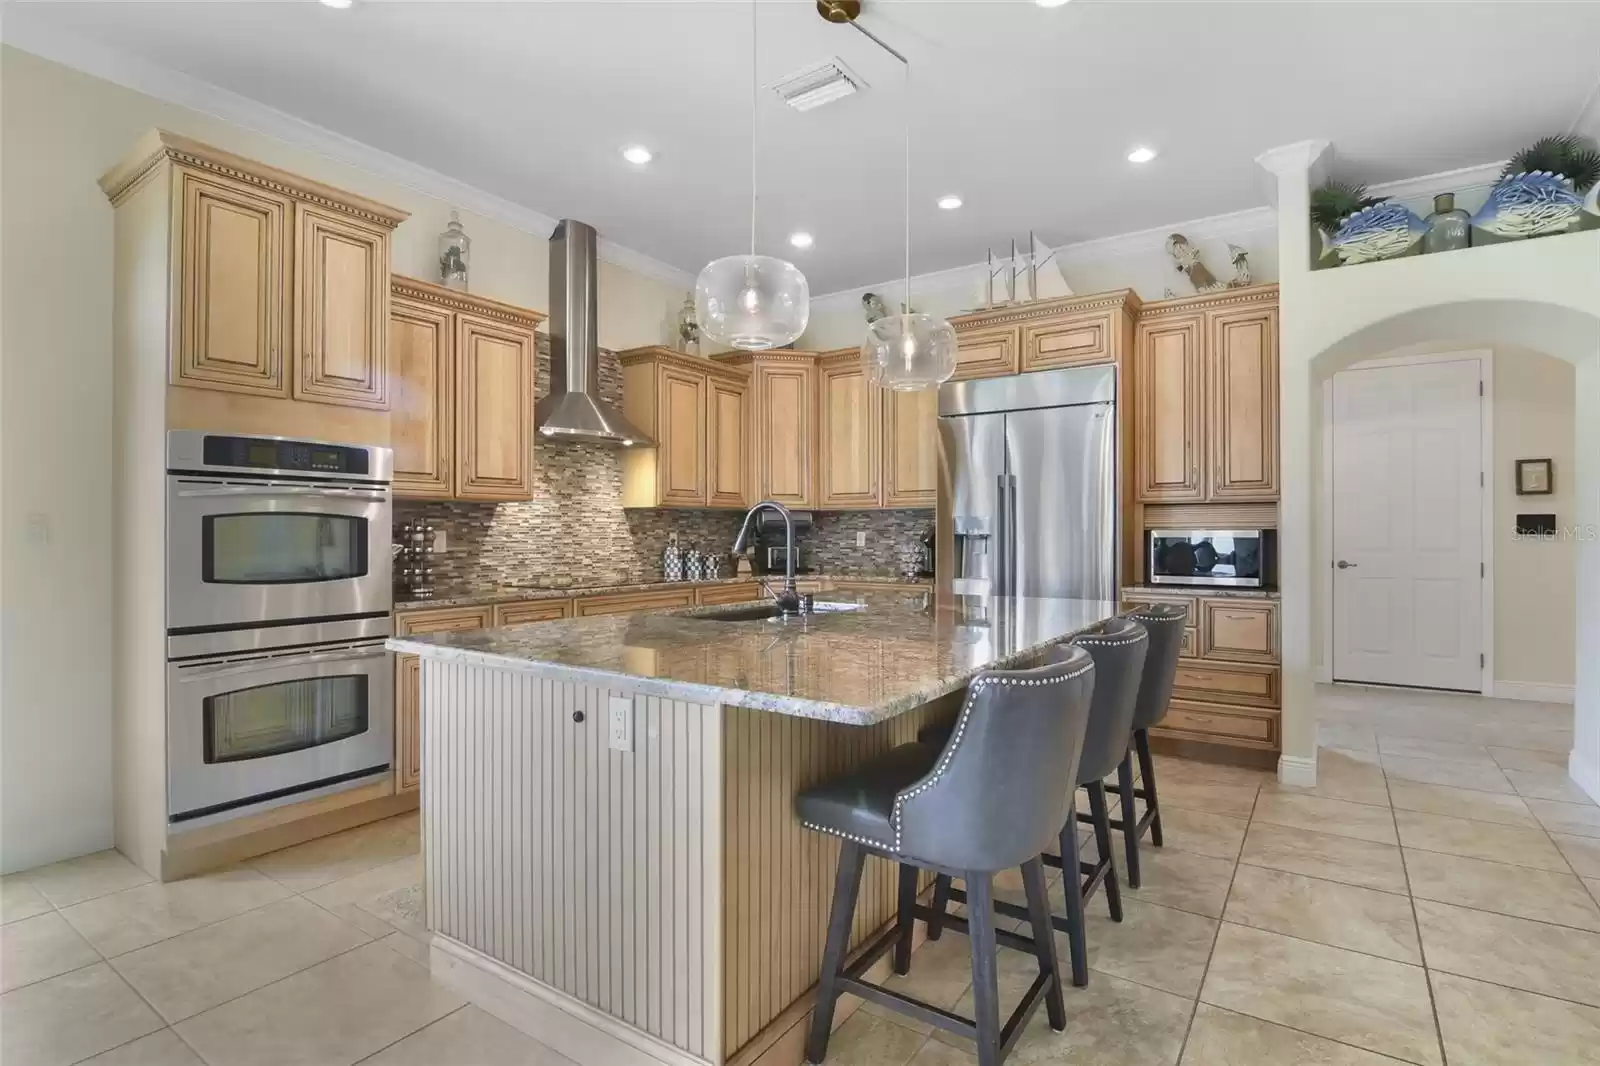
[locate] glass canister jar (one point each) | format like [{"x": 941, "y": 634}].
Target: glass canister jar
[
  {"x": 1448, "y": 226},
  {"x": 455, "y": 254}
]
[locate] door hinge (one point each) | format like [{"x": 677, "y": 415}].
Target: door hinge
[
  {"x": 1480, "y": 660},
  {"x": 1483, "y": 569},
  {"x": 1480, "y": 479},
  {"x": 1480, "y": 388}
]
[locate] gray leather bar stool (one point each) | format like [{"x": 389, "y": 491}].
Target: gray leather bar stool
[
  {"x": 1164, "y": 622},
  {"x": 993, "y": 797},
  {"x": 1117, "y": 647}
]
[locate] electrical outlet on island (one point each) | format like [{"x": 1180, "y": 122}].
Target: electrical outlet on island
[{"x": 861, "y": 539}]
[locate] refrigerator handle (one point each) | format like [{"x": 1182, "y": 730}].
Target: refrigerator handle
[
  {"x": 1002, "y": 539},
  {"x": 1011, "y": 534}
]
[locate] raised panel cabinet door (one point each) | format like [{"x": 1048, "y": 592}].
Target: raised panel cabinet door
[
  {"x": 233, "y": 274},
  {"x": 494, "y": 410},
  {"x": 421, "y": 398},
  {"x": 1243, "y": 387},
  {"x": 911, "y": 448},
  {"x": 681, "y": 441},
  {"x": 1168, "y": 394},
  {"x": 1081, "y": 340},
  {"x": 988, "y": 353},
  {"x": 848, "y": 431},
  {"x": 341, "y": 310},
  {"x": 407, "y": 722},
  {"x": 727, "y": 444},
  {"x": 784, "y": 447}
]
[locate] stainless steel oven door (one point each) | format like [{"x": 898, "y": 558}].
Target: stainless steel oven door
[
  {"x": 248, "y": 731},
  {"x": 245, "y": 552}
]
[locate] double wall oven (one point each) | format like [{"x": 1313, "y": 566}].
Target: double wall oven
[{"x": 279, "y": 687}]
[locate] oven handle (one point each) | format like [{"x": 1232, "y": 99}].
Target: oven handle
[
  {"x": 285, "y": 490},
  {"x": 268, "y": 662}
]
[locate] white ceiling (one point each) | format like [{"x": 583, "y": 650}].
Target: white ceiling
[{"x": 1027, "y": 113}]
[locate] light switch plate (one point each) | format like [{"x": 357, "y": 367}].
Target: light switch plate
[
  {"x": 440, "y": 541},
  {"x": 621, "y": 728},
  {"x": 861, "y": 539}
]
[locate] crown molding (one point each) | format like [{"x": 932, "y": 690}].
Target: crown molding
[
  {"x": 1290, "y": 158},
  {"x": 175, "y": 87},
  {"x": 1426, "y": 186}
]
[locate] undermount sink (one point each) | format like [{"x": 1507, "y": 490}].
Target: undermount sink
[{"x": 764, "y": 612}]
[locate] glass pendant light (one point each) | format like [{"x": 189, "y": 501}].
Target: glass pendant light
[
  {"x": 753, "y": 302},
  {"x": 911, "y": 350}
]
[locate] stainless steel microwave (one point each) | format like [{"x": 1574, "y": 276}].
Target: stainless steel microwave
[{"x": 1235, "y": 558}]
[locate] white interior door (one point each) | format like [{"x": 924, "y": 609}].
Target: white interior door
[{"x": 1407, "y": 525}]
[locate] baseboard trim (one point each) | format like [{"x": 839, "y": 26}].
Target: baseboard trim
[
  {"x": 1533, "y": 691},
  {"x": 1298, "y": 771},
  {"x": 570, "y": 1026},
  {"x": 1585, "y": 774}
]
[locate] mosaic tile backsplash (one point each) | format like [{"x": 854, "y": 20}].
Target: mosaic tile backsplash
[{"x": 575, "y": 528}]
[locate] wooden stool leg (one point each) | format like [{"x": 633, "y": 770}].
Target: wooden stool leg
[
  {"x": 1044, "y": 940},
  {"x": 1147, "y": 775},
  {"x": 941, "y": 903},
  {"x": 1072, "y": 889},
  {"x": 905, "y": 921},
  {"x": 1130, "y": 819},
  {"x": 846, "y": 885},
  {"x": 985, "y": 972},
  {"x": 1102, "y": 840}
]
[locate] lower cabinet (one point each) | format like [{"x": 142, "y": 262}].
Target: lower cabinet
[
  {"x": 408, "y": 681},
  {"x": 744, "y": 592},
  {"x": 1227, "y": 689},
  {"x": 629, "y": 602}
]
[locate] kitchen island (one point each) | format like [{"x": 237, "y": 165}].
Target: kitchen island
[{"x": 607, "y": 804}]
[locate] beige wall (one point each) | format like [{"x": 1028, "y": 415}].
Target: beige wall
[
  {"x": 1535, "y": 588},
  {"x": 837, "y": 321},
  {"x": 59, "y": 131}
]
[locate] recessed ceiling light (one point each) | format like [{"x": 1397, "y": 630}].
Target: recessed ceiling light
[
  {"x": 1141, "y": 154},
  {"x": 637, "y": 154},
  {"x": 1050, "y": 3},
  {"x": 340, "y": 4},
  {"x": 801, "y": 239},
  {"x": 949, "y": 203}
]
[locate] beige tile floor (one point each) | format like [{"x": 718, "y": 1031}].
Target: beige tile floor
[{"x": 1434, "y": 900}]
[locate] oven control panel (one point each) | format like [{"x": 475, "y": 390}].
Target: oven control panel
[{"x": 270, "y": 453}]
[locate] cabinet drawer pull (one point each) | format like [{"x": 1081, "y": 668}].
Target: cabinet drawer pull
[
  {"x": 1201, "y": 677},
  {"x": 1203, "y": 719},
  {"x": 1241, "y": 617}
]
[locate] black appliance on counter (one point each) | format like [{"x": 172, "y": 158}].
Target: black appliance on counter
[
  {"x": 1233, "y": 558},
  {"x": 769, "y": 542}
]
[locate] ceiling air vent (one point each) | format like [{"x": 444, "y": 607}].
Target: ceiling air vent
[{"x": 819, "y": 84}]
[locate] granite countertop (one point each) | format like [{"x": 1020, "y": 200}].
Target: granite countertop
[
  {"x": 897, "y": 651},
  {"x": 538, "y": 591},
  {"x": 1223, "y": 591}
]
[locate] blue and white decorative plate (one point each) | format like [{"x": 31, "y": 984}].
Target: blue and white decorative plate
[
  {"x": 1529, "y": 205},
  {"x": 1381, "y": 231}
]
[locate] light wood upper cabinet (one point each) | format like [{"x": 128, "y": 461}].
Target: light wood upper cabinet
[
  {"x": 783, "y": 420},
  {"x": 1242, "y": 380},
  {"x": 849, "y": 433},
  {"x": 233, "y": 267},
  {"x": 696, "y": 411},
  {"x": 1168, "y": 407},
  {"x": 422, "y": 398},
  {"x": 988, "y": 352},
  {"x": 1070, "y": 340},
  {"x": 681, "y": 437},
  {"x": 728, "y": 442},
  {"x": 911, "y": 448},
  {"x": 494, "y": 417},
  {"x": 341, "y": 309}
]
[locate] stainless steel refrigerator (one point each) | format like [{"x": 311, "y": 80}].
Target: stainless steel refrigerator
[{"x": 1028, "y": 475}]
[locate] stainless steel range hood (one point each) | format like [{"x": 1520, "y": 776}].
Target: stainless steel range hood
[{"x": 574, "y": 410}]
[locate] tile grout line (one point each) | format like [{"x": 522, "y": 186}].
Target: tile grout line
[
  {"x": 1416, "y": 924},
  {"x": 1216, "y": 934},
  {"x": 464, "y": 1005}
]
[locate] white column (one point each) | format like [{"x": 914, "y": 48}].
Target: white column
[{"x": 1295, "y": 168}]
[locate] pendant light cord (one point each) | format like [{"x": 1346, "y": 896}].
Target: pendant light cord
[
  {"x": 755, "y": 122},
  {"x": 905, "y": 308}
]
